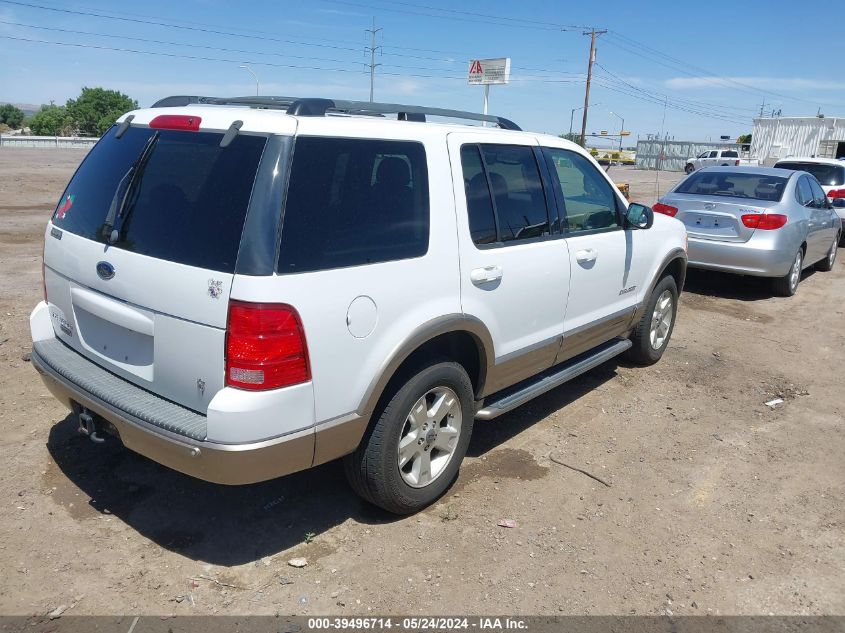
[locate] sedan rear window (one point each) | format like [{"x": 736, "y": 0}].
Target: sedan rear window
[
  {"x": 827, "y": 175},
  {"x": 734, "y": 185},
  {"x": 187, "y": 204}
]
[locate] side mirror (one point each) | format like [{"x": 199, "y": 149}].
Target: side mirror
[
  {"x": 639, "y": 216},
  {"x": 839, "y": 203}
]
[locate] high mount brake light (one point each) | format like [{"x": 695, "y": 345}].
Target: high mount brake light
[
  {"x": 265, "y": 347},
  {"x": 665, "y": 209},
  {"x": 764, "y": 221},
  {"x": 183, "y": 122}
]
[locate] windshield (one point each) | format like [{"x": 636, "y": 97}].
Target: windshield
[
  {"x": 734, "y": 185},
  {"x": 827, "y": 175},
  {"x": 187, "y": 204}
]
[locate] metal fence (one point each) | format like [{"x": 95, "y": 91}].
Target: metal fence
[
  {"x": 673, "y": 155},
  {"x": 72, "y": 142}
]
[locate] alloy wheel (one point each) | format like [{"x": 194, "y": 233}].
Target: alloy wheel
[
  {"x": 661, "y": 320},
  {"x": 429, "y": 437}
]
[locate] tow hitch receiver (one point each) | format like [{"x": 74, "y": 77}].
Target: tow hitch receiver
[{"x": 88, "y": 427}]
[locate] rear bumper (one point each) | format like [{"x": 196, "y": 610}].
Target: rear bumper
[
  {"x": 175, "y": 436},
  {"x": 218, "y": 463},
  {"x": 757, "y": 258}
]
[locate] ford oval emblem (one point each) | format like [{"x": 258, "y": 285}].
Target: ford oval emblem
[{"x": 105, "y": 270}]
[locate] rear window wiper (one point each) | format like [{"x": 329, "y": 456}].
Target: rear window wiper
[{"x": 127, "y": 185}]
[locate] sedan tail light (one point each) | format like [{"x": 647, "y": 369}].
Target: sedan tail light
[
  {"x": 764, "y": 221},
  {"x": 665, "y": 209},
  {"x": 265, "y": 347}
]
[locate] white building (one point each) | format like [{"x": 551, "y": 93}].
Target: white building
[{"x": 774, "y": 139}]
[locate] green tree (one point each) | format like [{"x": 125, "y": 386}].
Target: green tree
[
  {"x": 96, "y": 109},
  {"x": 572, "y": 136},
  {"x": 744, "y": 139},
  {"x": 11, "y": 116},
  {"x": 51, "y": 120}
]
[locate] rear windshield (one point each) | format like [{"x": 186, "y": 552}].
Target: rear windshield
[
  {"x": 734, "y": 185},
  {"x": 187, "y": 204},
  {"x": 827, "y": 175}
]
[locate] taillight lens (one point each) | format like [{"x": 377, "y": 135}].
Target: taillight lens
[
  {"x": 665, "y": 209},
  {"x": 265, "y": 347},
  {"x": 176, "y": 122},
  {"x": 736, "y": 164},
  {"x": 764, "y": 221},
  {"x": 836, "y": 193}
]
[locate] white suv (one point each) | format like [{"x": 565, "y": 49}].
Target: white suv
[{"x": 244, "y": 288}]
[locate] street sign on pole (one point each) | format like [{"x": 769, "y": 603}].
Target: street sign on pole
[{"x": 488, "y": 72}]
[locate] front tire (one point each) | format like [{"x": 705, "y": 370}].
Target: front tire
[
  {"x": 787, "y": 285},
  {"x": 826, "y": 265},
  {"x": 651, "y": 336},
  {"x": 414, "y": 446}
]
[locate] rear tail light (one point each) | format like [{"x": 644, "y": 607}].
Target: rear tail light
[
  {"x": 764, "y": 221},
  {"x": 665, "y": 209},
  {"x": 736, "y": 164},
  {"x": 265, "y": 347},
  {"x": 836, "y": 193},
  {"x": 176, "y": 122}
]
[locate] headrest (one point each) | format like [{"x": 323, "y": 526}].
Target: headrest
[{"x": 393, "y": 171}]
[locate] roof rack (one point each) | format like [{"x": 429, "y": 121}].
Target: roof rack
[{"x": 310, "y": 106}]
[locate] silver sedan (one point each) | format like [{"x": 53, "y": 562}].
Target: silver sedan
[{"x": 756, "y": 221}]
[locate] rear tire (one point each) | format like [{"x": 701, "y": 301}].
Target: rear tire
[
  {"x": 787, "y": 285},
  {"x": 425, "y": 427},
  {"x": 688, "y": 169},
  {"x": 826, "y": 265},
  {"x": 651, "y": 336}
]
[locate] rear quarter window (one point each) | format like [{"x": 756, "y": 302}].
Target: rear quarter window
[{"x": 352, "y": 202}]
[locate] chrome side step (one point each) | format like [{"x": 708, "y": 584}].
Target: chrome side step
[{"x": 513, "y": 397}]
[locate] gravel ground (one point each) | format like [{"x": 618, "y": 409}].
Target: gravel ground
[{"x": 716, "y": 504}]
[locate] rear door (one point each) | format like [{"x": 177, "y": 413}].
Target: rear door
[
  {"x": 150, "y": 304},
  {"x": 514, "y": 267}
]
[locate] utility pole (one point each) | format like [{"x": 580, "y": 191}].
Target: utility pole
[
  {"x": 372, "y": 48},
  {"x": 592, "y": 33},
  {"x": 762, "y": 105}
]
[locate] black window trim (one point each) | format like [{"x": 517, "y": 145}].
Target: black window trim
[
  {"x": 558, "y": 191},
  {"x": 544, "y": 183}
]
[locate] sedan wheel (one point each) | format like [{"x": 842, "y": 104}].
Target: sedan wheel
[
  {"x": 826, "y": 265},
  {"x": 787, "y": 285}
]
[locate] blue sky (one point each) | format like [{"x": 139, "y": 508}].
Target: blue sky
[{"x": 715, "y": 64}]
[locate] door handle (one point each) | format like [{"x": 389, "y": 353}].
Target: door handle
[
  {"x": 486, "y": 274},
  {"x": 586, "y": 256}
]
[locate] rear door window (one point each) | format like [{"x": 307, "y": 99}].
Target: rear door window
[
  {"x": 520, "y": 202},
  {"x": 352, "y": 202},
  {"x": 187, "y": 205},
  {"x": 804, "y": 192},
  {"x": 819, "y": 196},
  {"x": 729, "y": 154}
]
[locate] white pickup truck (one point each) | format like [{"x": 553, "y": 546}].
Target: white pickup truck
[{"x": 718, "y": 157}]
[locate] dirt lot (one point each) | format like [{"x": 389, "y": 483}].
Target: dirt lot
[{"x": 717, "y": 503}]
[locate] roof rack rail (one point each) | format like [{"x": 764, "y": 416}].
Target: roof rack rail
[{"x": 310, "y": 106}]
